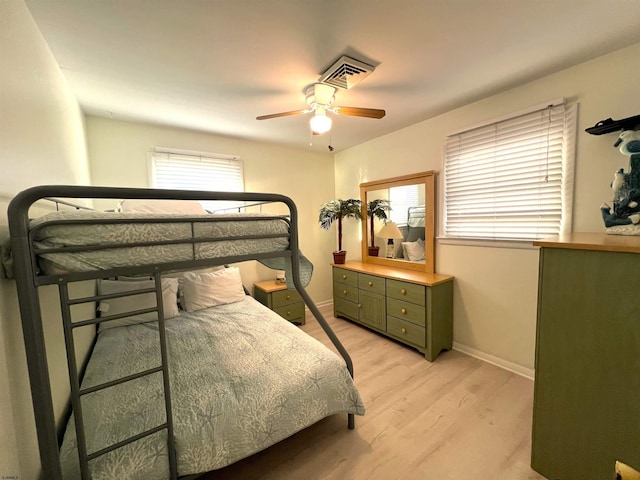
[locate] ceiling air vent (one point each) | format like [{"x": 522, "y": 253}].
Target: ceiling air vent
[{"x": 346, "y": 72}]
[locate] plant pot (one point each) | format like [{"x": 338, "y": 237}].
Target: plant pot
[
  {"x": 339, "y": 257},
  {"x": 373, "y": 251}
]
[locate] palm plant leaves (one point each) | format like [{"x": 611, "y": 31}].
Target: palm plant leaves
[
  {"x": 377, "y": 208},
  {"x": 336, "y": 210}
]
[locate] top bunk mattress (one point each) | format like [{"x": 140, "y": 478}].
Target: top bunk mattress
[{"x": 81, "y": 241}]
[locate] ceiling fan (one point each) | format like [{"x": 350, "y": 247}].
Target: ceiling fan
[{"x": 320, "y": 97}]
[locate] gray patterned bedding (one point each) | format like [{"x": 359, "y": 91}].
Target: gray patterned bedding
[
  {"x": 216, "y": 226},
  {"x": 242, "y": 379}
]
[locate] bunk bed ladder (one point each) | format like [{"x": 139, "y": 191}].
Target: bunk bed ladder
[{"x": 74, "y": 377}]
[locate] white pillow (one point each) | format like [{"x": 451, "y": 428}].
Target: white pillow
[
  {"x": 413, "y": 251},
  {"x": 186, "y": 207},
  {"x": 180, "y": 276},
  {"x": 208, "y": 289},
  {"x": 116, "y": 306}
]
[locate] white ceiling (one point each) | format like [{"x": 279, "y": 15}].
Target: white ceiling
[{"x": 214, "y": 65}]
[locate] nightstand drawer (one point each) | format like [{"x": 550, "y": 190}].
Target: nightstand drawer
[
  {"x": 285, "y": 297},
  {"x": 285, "y": 302},
  {"x": 406, "y": 291},
  {"x": 345, "y": 276},
  {"x": 294, "y": 312},
  {"x": 371, "y": 283},
  {"x": 406, "y": 331},
  {"x": 406, "y": 311}
]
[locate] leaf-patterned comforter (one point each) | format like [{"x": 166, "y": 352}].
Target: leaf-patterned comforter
[
  {"x": 242, "y": 378},
  {"x": 269, "y": 235}
]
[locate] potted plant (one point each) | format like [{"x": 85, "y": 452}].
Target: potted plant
[
  {"x": 337, "y": 210},
  {"x": 377, "y": 208}
]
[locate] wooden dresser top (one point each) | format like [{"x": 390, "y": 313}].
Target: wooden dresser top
[
  {"x": 412, "y": 276},
  {"x": 592, "y": 241}
]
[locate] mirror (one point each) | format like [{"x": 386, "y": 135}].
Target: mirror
[{"x": 406, "y": 238}]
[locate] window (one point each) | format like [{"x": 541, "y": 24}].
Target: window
[
  {"x": 402, "y": 198},
  {"x": 512, "y": 179},
  {"x": 184, "y": 170}
]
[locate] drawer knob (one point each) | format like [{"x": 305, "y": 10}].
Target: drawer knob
[
  {"x": 403, "y": 291},
  {"x": 288, "y": 297},
  {"x": 344, "y": 277},
  {"x": 344, "y": 292},
  {"x": 288, "y": 314},
  {"x": 371, "y": 284},
  {"x": 403, "y": 310},
  {"x": 359, "y": 305},
  {"x": 403, "y": 330}
]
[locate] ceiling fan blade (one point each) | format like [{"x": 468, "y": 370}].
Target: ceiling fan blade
[
  {"x": 282, "y": 114},
  {"x": 359, "y": 112}
]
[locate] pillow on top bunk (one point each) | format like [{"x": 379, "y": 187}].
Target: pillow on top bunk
[
  {"x": 208, "y": 289},
  {"x": 116, "y": 306},
  {"x": 185, "y": 207},
  {"x": 413, "y": 251}
]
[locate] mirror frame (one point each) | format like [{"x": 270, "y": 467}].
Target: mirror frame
[{"x": 426, "y": 178}]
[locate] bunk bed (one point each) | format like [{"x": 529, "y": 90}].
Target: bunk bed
[
  {"x": 169, "y": 390},
  {"x": 415, "y": 223},
  {"x": 412, "y": 248}
]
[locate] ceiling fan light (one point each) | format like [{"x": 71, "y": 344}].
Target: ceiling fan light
[{"x": 320, "y": 123}]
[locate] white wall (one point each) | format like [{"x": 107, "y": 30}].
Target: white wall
[
  {"x": 41, "y": 141},
  {"x": 118, "y": 157},
  {"x": 496, "y": 288}
]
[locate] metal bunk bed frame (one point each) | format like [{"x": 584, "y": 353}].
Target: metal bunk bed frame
[{"x": 28, "y": 279}]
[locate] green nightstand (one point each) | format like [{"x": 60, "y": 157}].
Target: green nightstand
[{"x": 284, "y": 301}]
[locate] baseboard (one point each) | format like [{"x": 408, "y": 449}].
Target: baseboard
[
  {"x": 497, "y": 361},
  {"x": 472, "y": 352},
  {"x": 325, "y": 303}
]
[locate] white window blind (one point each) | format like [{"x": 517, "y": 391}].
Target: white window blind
[
  {"x": 402, "y": 198},
  {"x": 513, "y": 179},
  {"x": 197, "y": 171}
]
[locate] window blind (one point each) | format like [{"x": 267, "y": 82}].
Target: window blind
[
  {"x": 402, "y": 198},
  {"x": 513, "y": 179},
  {"x": 194, "y": 171}
]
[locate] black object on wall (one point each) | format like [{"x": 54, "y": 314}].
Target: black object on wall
[{"x": 609, "y": 125}]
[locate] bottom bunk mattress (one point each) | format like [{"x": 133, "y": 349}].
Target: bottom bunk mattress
[{"x": 242, "y": 378}]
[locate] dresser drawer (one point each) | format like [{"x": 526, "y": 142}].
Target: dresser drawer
[
  {"x": 407, "y": 311},
  {"x": 345, "y": 276},
  {"x": 406, "y": 331},
  {"x": 345, "y": 308},
  {"x": 285, "y": 297},
  {"x": 345, "y": 291},
  {"x": 371, "y": 283},
  {"x": 294, "y": 312},
  {"x": 406, "y": 291}
]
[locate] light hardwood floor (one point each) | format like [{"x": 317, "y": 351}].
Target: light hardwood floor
[{"x": 457, "y": 418}]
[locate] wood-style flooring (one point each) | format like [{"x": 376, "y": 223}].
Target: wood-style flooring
[{"x": 457, "y": 418}]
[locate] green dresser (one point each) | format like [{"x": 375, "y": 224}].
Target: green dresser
[
  {"x": 586, "y": 412},
  {"x": 415, "y": 308},
  {"x": 284, "y": 301}
]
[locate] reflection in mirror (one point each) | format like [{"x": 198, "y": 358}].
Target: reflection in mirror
[{"x": 404, "y": 236}]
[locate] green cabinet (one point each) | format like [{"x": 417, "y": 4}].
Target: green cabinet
[
  {"x": 286, "y": 302},
  {"x": 414, "y": 308},
  {"x": 586, "y": 412},
  {"x": 359, "y": 297},
  {"x": 371, "y": 308}
]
